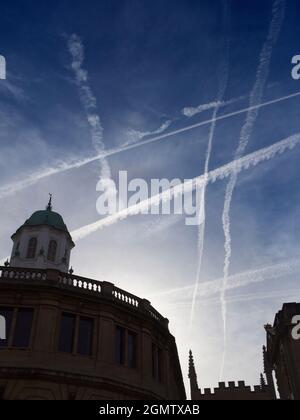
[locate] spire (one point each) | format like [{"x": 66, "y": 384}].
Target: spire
[
  {"x": 269, "y": 374},
  {"x": 49, "y": 206},
  {"x": 192, "y": 374}
]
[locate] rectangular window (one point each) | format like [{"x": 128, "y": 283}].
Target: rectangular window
[
  {"x": 132, "y": 350},
  {"x": 23, "y": 328},
  {"x": 7, "y": 314},
  {"x": 67, "y": 333},
  {"x": 85, "y": 336},
  {"x": 120, "y": 345}
]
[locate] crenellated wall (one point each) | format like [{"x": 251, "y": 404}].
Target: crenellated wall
[{"x": 231, "y": 391}]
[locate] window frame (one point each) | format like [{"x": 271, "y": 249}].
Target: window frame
[
  {"x": 15, "y": 328},
  {"x": 30, "y": 255},
  {"x": 52, "y": 252},
  {"x": 12, "y": 332},
  {"x": 74, "y": 351},
  {"x": 127, "y": 332}
]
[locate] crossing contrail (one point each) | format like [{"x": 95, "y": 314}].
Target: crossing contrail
[
  {"x": 192, "y": 111},
  {"x": 239, "y": 280},
  {"x": 194, "y": 126},
  {"x": 71, "y": 164},
  {"x": 239, "y": 165},
  {"x": 278, "y": 13},
  {"x": 245, "y": 297},
  {"x": 223, "y": 74},
  {"x": 236, "y": 166}
]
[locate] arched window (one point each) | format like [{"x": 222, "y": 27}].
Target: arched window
[
  {"x": 31, "y": 250},
  {"x": 52, "y": 251},
  {"x": 17, "y": 250}
]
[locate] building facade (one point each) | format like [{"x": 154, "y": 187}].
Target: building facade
[
  {"x": 282, "y": 352},
  {"x": 73, "y": 338}
]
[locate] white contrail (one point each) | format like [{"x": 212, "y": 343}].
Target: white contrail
[
  {"x": 223, "y": 74},
  {"x": 63, "y": 166},
  {"x": 43, "y": 173},
  {"x": 134, "y": 136},
  {"x": 248, "y": 297},
  {"x": 222, "y": 172},
  {"x": 211, "y": 288},
  {"x": 121, "y": 149},
  {"x": 256, "y": 96},
  {"x": 281, "y": 294},
  {"x": 191, "y": 111},
  {"x": 89, "y": 103},
  {"x": 244, "y": 163},
  {"x": 239, "y": 280}
]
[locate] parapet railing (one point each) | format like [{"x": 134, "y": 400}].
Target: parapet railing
[{"x": 73, "y": 282}]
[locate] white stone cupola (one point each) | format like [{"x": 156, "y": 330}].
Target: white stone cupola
[{"x": 42, "y": 242}]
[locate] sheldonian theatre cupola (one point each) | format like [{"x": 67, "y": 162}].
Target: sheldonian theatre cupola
[{"x": 42, "y": 242}]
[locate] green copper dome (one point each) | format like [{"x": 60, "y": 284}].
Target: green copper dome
[{"x": 47, "y": 217}]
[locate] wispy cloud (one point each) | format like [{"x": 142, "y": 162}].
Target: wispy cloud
[
  {"x": 278, "y": 13},
  {"x": 223, "y": 73}
]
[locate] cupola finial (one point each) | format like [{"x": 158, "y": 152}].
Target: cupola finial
[{"x": 49, "y": 207}]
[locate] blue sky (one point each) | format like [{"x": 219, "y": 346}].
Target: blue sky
[{"x": 146, "y": 62}]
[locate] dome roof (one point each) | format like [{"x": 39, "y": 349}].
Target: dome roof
[{"x": 47, "y": 218}]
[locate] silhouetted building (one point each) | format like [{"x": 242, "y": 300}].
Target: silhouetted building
[
  {"x": 73, "y": 338},
  {"x": 281, "y": 358},
  {"x": 233, "y": 391},
  {"x": 283, "y": 352}
]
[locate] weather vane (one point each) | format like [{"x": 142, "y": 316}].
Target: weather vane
[{"x": 49, "y": 207}]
